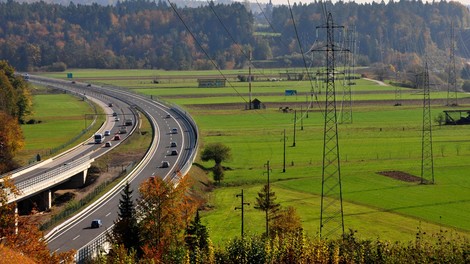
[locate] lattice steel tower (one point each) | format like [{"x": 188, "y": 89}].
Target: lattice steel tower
[
  {"x": 331, "y": 216},
  {"x": 452, "y": 76},
  {"x": 346, "y": 103},
  {"x": 427, "y": 161}
]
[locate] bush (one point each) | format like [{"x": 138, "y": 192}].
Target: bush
[{"x": 466, "y": 86}]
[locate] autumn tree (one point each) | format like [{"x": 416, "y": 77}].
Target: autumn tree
[
  {"x": 266, "y": 201},
  {"x": 7, "y": 210},
  {"x": 15, "y": 97},
  {"x": 11, "y": 140},
  {"x": 125, "y": 231},
  {"x": 286, "y": 221},
  {"x": 22, "y": 234},
  {"x": 165, "y": 211}
]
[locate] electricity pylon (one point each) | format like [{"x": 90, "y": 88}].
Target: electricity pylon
[
  {"x": 331, "y": 216},
  {"x": 346, "y": 104},
  {"x": 427, "y": 161},
  {"x": 452, "y": 75}
]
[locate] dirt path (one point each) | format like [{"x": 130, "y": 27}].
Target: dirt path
[{"x": 377, "y": 81}]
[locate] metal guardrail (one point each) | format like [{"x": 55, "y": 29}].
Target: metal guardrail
[
  {"x": 98, "y": 244},
  {"x": 50, "y": 174}
]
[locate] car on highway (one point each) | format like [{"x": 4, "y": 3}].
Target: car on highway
[
  {"x": 107, "y": 144},
  {"x": 174, "y": 130},
  {"x": 107, "y": 133},
  {"x": 174, "y": 152},
  {"x": 96, "y": 223},
  {"x": 168, "y": 116},
  {"x": 173, "y": 144},
  {"x": 114, "y": 114},
  {"x": 123, "y": 130},
  {"x": 116, "y": 119},
  {"x": 165, "y": 164},
  {"x": 110, "y": 104},
  {"x": 117, "y": 137}
]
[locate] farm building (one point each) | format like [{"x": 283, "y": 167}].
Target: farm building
[
  {"x": 207, "y": 83},
  {"x": 256, "y": 104}
]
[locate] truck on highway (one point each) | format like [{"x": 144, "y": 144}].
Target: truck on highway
[{"x": 99, "y": 138}]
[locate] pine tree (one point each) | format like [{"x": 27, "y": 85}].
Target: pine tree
[
  {"x": 126, "y": 231},
  {"x": 266, "y": 201},
  {"x": 197, "y": 240}
]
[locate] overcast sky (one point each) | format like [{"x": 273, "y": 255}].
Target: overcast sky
[{"x": 278, "y": 2}]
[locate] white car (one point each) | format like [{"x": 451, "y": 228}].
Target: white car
[{"x": 107, "y": 133}]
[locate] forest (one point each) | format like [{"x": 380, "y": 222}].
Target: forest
[{"x": 159, "y": 35}]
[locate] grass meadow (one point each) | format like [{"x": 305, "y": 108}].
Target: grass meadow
[
  {"x": 382, "y": 137},
  {"x": 62, "y": 117}
]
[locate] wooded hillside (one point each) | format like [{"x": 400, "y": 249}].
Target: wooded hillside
[{"x": 142, "y": 34}]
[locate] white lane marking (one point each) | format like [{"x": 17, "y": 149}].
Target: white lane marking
[
  {"x": 76, "y": 237},
  {"x": 107, "y": 214}
]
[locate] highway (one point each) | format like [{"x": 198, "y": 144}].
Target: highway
[
  {"x": 29, "y": 178},
  {"x": 76, "y": 233}
]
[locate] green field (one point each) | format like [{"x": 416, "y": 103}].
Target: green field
[
  {"x": 62, "y": 118},
  {"x": 381, "y": 138}
]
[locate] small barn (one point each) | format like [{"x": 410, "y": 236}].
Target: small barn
[
  {"x": 213, "y": 82},
  {"x": 257, "y": 104}
]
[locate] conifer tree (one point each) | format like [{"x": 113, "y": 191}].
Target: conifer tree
[
  {"x": 266, "y": 201},
  {"x": 197, "y": 240},
  {"x": 126, "y": 231}
]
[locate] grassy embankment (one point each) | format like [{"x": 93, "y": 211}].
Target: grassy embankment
[
  {"x": 62, "y": 118},
  {"x": 381, "y": 138},
  {"x": 55, "y": 130}
]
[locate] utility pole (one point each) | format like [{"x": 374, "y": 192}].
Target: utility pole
[
  {"x": 295, "y": 126},
  {"x": 301, "y": 119},
  {"x": 242, "y": 206},
  {"x": 427, "y": 160},
  {"x": 249, "y": 82},
  {"x": 397, "y": 80},
  {"x": 284, "y": 164},
  {"x": 331, "y": 214},
  {"x": 267, "y": 199}
]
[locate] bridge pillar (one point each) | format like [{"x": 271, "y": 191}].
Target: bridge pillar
[
  {"x": 78, "y": 180},
  {"x": 44, "y": 201}
]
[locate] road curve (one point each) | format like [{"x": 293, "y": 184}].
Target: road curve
[
  {"x": 30, "y": 177},
  {"x": 76, "y": 233}
]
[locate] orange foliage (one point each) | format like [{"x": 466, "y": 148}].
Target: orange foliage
[
  {"x": 165, "y": 213},
  {"x": 11, "y": 140},
  {"x": 29, "y": 241},
  {"x": 24, "y": 236},
  {"x": 10, "y": 256},
  {"x": 7, "y": 211}
]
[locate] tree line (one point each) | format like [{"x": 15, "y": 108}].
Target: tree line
[
  {"x": 15, "y": 105},
  {"x": 145, "y": 34}
]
